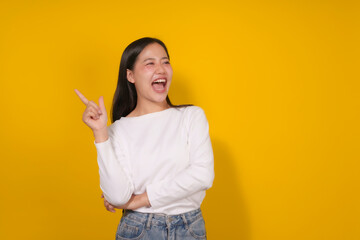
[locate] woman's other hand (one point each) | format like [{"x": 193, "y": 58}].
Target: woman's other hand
[
  {"x": 135, "y": 202},
  {"x": 107, "y": 205},
  {"x": 95, "y": 117}
]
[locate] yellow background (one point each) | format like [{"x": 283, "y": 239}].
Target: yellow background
[{"x": 278, "y": 80}]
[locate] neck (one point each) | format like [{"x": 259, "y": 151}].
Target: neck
[{"x": 148, "y": 107}]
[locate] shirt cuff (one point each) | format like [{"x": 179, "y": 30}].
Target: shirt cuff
[{"x": 101, "y": 145}]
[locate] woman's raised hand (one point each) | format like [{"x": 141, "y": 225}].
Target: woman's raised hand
[{"x": 95, "y": 117}]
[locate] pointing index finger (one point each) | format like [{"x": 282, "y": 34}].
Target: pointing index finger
[{"x": 82, "y": 97}]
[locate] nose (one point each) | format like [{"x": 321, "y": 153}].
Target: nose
[{"x": 160, "y": 69}]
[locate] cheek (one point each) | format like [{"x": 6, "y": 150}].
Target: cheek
[
  {"x": 148, "y": 68},
  {"x": 169, "y": 70},
  {"x": 143, "y": 73}
]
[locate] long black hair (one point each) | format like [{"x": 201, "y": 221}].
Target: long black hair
[{"x": 125, "y": 97}]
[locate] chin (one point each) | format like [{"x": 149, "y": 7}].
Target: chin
[{"x": 160, "y": 98}]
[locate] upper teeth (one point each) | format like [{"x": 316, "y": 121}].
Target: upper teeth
[{"x": 160, "y": 80}]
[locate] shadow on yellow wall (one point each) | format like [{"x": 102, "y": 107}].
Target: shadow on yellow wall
[{"x": 225, "y": 211}]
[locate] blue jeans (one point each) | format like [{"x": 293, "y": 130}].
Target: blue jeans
[{"x": 149, "y": 226}]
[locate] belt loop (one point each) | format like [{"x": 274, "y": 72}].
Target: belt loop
[
  {"x": 149, "y": 221},
  {"x": 185, "y": 221}
]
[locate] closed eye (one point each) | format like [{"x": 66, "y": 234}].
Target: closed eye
[{"x": 150, "y": 63}]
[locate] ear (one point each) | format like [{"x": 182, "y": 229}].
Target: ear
[{"x": 130, "y": 76}]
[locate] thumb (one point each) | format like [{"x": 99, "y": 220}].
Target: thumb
[{"x": 102, "y": 105}]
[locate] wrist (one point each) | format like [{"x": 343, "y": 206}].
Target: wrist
[{"x": 101, "y": 135}]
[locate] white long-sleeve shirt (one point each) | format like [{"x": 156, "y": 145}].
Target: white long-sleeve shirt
[{"x": 168, "y": 154}]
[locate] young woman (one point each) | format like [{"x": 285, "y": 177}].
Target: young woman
[{"x": 155, "y": 159}]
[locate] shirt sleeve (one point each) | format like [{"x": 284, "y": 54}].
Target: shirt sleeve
[
  {"x": 114, "y": 180},
  {"x": 199, "y": 174}
]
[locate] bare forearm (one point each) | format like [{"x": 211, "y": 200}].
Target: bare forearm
[
  {"x": 101, "y": 135},
  {"x": 136, "y": 201},
  {"x": 143, "y": 200}
]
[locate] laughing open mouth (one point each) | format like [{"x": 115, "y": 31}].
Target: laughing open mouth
[{"x": 159, "y": 85}]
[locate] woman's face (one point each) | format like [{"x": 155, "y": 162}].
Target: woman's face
[{"x": 151, "y": 74}]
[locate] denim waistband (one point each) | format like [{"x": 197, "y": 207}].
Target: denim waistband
[{"x": 159, "y": 219}]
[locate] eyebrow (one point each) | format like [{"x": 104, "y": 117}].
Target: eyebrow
[{"x": 154, "y": 59}]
